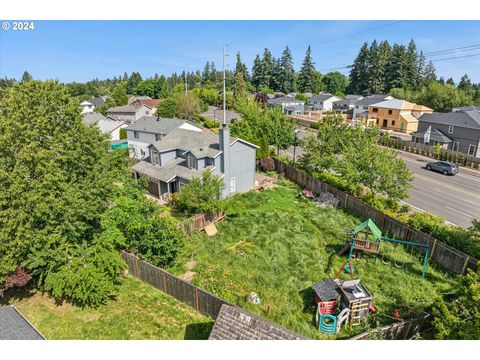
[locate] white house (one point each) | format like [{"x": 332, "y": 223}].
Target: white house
[
  {"x": 87, "y": 107},
  {"x": 322, "y": 102},
  {"x": 107, "y": 126}
]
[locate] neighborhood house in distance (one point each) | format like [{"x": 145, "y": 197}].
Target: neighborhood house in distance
[{"x": 173, "y": 151}]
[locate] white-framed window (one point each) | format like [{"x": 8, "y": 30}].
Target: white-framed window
[
  {"x": 158, "y": 137},
  {"x": 136, "y": 135},
  {"x": 155, "y": 157},
  {"x": 471, "y": 150},
  {"x": 450, "y": 129},
  {"x": 191, "y": 162},
  {"x": 456, "y": 145},
  {"x": 232, "y": 185}
]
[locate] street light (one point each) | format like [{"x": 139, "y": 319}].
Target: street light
[{"x": 295, "y": 143}]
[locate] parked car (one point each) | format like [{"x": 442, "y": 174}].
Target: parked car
[{"x": 445, "y": 167}]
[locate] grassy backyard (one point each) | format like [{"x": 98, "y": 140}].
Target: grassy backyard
[
  {"x": 277, "y": 244},
  {"x": 137, "y": 312}
]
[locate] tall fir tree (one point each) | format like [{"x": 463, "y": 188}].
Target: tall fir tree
[
  {"x": 430, "y": 74},
  {"x": 450, "y": 82},
  {"x": 412, "y": 78},
  {"x": 307, "y": 78},
  {"x": 378, "y": 58},
  {"x": 206, "y": 73},
  {"x": 256, "y": 72},
  {"x": 359, "y": 72},
  {"x": 286, "y": 73},
  {"x": 133, "y": 81},
  {"x": 267, "y": 66},
  {"x": 395, "y": 70},
  {"x": 26, "y": 76},
  {"x": 465, "y": 84},
  {"x": 240, "y": 67}
]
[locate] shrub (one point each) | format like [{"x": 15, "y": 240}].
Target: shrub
[
  {"x": 123, "y": 133},
  {"x": 19, "y": 278}
]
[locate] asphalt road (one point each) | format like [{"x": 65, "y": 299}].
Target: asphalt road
[{"x": 455, "y": 198}]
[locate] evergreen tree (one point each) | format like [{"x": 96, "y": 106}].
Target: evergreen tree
[
  {"x": 125, "y": 76},
  {"x": 133, "y": 81},
  {"x": 240, "y": 67},
  {"x": 335, "y": 83},
  {"x": 240, "y": 86},
  {"x": 421, "y": 64},
  {"x": 430, "y": 74},
  {"x": 206, "y": 73},
  {"x": 450, "y": 82},
  {"x": 26, "y": 76},
  {"x": 286, "y": 73},
  {"x": 412, "y": 79},
  {"x": 465, "y": 84},
  {"x": 213, "y": 73},
  {"x": 256, "y": 72},
  {"x": 359, "y": 72},
  {"x": 267, "y": 65},
  {"x": 395, "y": 70},
  {"x": 307, "y": 78},
  {"x": 378, "y": 58}
]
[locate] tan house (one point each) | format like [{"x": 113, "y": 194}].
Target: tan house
[{"x": 396, "y": 115}]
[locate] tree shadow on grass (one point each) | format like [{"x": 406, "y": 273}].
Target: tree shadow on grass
[
  {"x": 308, "y": 296},
  {"x": 198, "y": 331}
]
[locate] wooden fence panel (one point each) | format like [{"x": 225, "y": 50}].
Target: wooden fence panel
[
  {"x": 401, "y": 330},
  {"x": 445, "y": 255}
]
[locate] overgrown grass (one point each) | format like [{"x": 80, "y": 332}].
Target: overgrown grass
[
  {"x": 138, "y": 312},
  {"x": 277, "y": 244}
]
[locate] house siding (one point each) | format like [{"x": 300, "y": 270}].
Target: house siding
[
  {"x": 465, "y": 136},
  {"x": 242, "y": 166}
]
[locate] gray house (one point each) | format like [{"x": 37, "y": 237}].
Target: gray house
[
  {"x": 360, "y": 109},
  {"x": 186, "y": 151},
  {"x": 456, "y": 131},
  {"x": 288, "y": 105},
  {"x": 347, "y": 104},
  {"x": 129, "y": 113}
]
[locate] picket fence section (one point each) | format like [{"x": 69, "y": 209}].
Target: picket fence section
[{"x": 445, "y": 255}]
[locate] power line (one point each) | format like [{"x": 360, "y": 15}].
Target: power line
[
  {"x": 359, "y": 32},
  {"x": 454, "y": 51},
  {"x": 456, "y": 57},
  {"x": 447, "y": 50}
]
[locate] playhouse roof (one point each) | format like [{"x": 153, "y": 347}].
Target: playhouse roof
[
  {"x": 377, "y": 233},
  {"x": 327, "y": 290}
]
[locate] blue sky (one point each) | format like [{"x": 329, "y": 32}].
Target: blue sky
[{"x": 82, "y": 50}]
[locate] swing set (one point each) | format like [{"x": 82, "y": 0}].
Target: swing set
[{"x": 365, "y": 243}]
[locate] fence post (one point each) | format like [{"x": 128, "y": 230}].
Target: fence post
[
  {"x": 433, "y": 247},
  {"x": 196, "y": 298},
  {"x": 467, "y": 259}
]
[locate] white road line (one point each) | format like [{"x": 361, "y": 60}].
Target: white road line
[
  {"x": 421, "y": 210},
  {"x": 460, "y": 212}
]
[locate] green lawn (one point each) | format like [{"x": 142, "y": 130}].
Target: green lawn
[
  {"x": 138, "y": 312},
  {"x": 278, "y": 244}
]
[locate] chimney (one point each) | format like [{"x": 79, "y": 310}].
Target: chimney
[{"x": 224, "y": 142}]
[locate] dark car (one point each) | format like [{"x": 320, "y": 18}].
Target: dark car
[{"x": 445, "y": 167}]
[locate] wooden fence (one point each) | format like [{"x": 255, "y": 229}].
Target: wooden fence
[
  {"x": 398, "y": 331},
  {"x": 445, "y": 255},
  {"x": 430, "y": 151},
  {"x": 199, "y": 221},
  {"x": 204, "y": 302}
]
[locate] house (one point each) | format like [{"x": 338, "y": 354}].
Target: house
[
  {"x": 288, "y": 105},
  {"x": 456, "y": 131},
  {"x": 182, "y": 151},
  {"x": 466, "y": 108},
  {"x": 233, "y": 323},
  {"x": 150, "y": 129},
  {"x": 151, "y": 103},
  {"x": 129, "y": 113},
  {"x": 216, "y": 114},
  {"x": 346, "y": 105},
  {"x": 86, "y": 107},
  {"x": 99, "y": 100},
  {"x": 13, "y": 326},
  {"x": 322, "y": 102},
  {"x": 132, "y": 98},
  {"x": 396, "y": 115},
  {"x": 107, "y": 126},
  {"x": 360, "y": 110}
]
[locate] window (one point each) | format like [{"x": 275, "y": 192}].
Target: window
[
  {"x": 375, "y": 109},
  {"x": 393, "y": 122},
  {"x": 155, "y": 157},
  {"x": 191, "y": 162},
  {"x": 455, "y": 146},
  {"x": 147, "y": 112},
  {"x": 471, "y": 150},
  {"x": 232, "y": 185},
  {"x": 378, "y": 121},
  {"x": 158, "y": 137},
  {"x": 390, "y": 112},
  {"x": 136, "y": 135},
  {"x": 450, "y": 129}
]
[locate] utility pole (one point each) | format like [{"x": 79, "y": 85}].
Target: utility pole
[{"x": 224, "y": 89}]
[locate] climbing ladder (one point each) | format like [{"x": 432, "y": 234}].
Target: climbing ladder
[{"x": 356, "y": 311}]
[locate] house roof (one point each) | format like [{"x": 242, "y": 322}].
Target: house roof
[
  {"x": 123, "y": 109},
  {"x": 435, "y": 135},
  {"x": 106, "y": 126},
  {"x": 151, "y": 103},
  {"x": 200, "y": 144},
  {"x": 92, "y": 118},
  {"x": 169, "y": 171},
  {"x": 13, "y": 326},
  {"x": 322, "y": 97},
  {"x": 401, "y": 105},
  {"x": 465, "y": 119},
  {"x": 372, "y": 99},
  {"x": 354, "y": 97},
  {"x": 156, "y": 125},
  {"x": 377, "y": 233},
  {"x": 285, "y": 99},
  {"x": 99, "y": 100},
  {"x": 467, "y": 108},
  {"x": 327, "y": 290},
  {"x": 408, "y": 117},
  {"x": 233, "y": 323},
  {"x": 218, "y": 114},
  {"x": 86, "y": 103}
]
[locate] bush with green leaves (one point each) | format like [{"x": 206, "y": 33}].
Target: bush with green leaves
[{"x": 200, "y": 195}]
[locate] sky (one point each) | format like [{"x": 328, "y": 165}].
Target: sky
[{"x": 83, "y": 50}]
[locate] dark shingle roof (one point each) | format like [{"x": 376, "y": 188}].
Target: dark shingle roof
[
  {"x": 13, "y": 326},
  {"x": 466, "y": 119},
  {"x": 467, "y": 108},
  {"x": 372, "y": 99},
  {"x": 92, "y": 118},
  {"x": 321, "y": 97},
  {"x": 155, "y": 125},
  {"x": 200, "y": 143},
  {"x": 435, "y": 135},
  {"x": 233, "y": 323},
  {"x": 285, "y": 99},
  {"x": 326, "y": 290}
]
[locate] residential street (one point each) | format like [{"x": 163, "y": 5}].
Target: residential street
[{"x": 455, "y": 198}]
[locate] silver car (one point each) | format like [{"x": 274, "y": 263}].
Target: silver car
[{"x": 445, "y": 167}]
